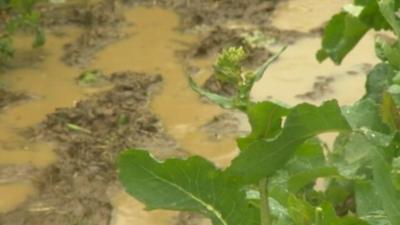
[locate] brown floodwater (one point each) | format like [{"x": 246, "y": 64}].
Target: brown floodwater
[
  {"x": 305, "y": 15},
  {"x": 13, "y": 194},
  {"x": 51, "y": 84},
  {"x": 297, "y": 69},
  {"x": 151, "y": 48}
]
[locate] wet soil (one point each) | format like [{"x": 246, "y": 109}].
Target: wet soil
[
  {"x": 321, "y": 87},
  {"x": 7, "y": 97},
  {"x": 102, "y": 24},
  {"x": 212, "y": 12},
  {"x": 89, "y": 137}
]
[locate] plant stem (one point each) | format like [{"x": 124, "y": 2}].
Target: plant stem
[{"x": 264, "y": 204}]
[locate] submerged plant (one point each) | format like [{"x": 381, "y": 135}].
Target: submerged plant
[{"x": 272, "y": 180}]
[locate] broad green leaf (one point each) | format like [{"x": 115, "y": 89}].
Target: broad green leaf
[
  {"x": 385, "y": 188},
  {"x": 388, "y": 52},
  {"x": 278, "y": 210},
  {"x": 396, "y": 172},
  {"x": 388, "y": 9},
  {"x": 307, "y": 164},
  {"x": 345, "y": 29},
  {"x": 263, "y": 158},
  {"x": 379, "y": 80},
  {"x": 301, "y": 179},
  {"x": 301, "y": 212},
  {"x": 193, "y": 184},
  {"x": 389, "y": 112},
  {"x": 353, "y": 152},
  {"x": 329, "y": 217},
  {"x": 341, "y": 34},
  {"x": 309, "y": 155},
  {"x": 338, "y": 192},
  {"x": 365, "y": 114},
  {"x": 265, "y": 119},
  {"x": 223, "y": 101},
  {"x": 369, "y": 206}
]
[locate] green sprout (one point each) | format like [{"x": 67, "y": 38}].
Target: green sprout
[{"x": 229, "y": 69}]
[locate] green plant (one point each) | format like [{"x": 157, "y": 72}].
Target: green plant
[
  {"x": 272, "y": 180},
  {"x": 18, "y": 15}
]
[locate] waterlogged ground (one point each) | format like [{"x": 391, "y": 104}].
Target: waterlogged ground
[{"x": 59, "y": 139}]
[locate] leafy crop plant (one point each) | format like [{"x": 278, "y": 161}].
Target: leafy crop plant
[{"x": 272, "y": 180}]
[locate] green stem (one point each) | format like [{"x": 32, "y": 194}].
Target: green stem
[{"x": 264, "y": 204}]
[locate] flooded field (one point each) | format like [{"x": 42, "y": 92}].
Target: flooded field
[{"x": 154, "y": 43}]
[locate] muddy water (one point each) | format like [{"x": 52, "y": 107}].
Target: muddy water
[
  {"x": 296, "y": 71},
  {"x": 305, "y": 15},
  {"x": 130, "y": 211},
  {"x": 152, "y": 49},
  {"x": 51, "y": 84},
  {"x": 12, "y": 195}
]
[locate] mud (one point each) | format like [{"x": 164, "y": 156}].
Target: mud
[
  {"x": 8, "y": 97},
  {"x": 218, "y": 38},
  {"x": 211, "y": 12},
  {"x": 222, "y": 125},
  {"x": 321, "y": 87},
  {"x": 81, "y": 187},
  {"x": 80, "y": 13},
  {"x": 73, "y": 189},
  {"x": 102, "y": 22}
]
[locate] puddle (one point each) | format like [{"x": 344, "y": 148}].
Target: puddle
[
  {"x": 13, "y": 194},
  {"x": 130, "y": 211},
  {"x": 51, "y": 85},
  {"x": 152, "y": 49},
  {"x": 50, "y": 82},
  {"x": 305, "y": 15},
  {"x": 39, "y": 155},
  {"x": 297, "y": 69}
]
